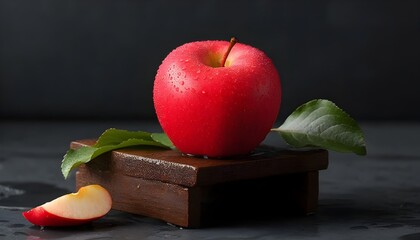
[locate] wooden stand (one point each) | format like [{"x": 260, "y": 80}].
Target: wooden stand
[{"x": 193, "y": 192}]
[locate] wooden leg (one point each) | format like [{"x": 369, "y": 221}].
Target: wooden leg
[{"x": 307, "y": 192}]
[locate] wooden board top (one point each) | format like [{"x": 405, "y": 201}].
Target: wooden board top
[{"x": 173, "y": 167}]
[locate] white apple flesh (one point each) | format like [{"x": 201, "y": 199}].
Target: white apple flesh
[{"x": 88, "y": 204}]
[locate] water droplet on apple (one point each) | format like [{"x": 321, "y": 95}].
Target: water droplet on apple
[
  {"x": 198, "y": 71},
  {"x": 182, "y": 83},
  {"x": 187, "y": 60},
  {"x": 203, "y": 92}
]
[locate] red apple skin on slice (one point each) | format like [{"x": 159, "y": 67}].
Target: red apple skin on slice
[
  {"x": 40, "y": 217},
  {"x": 88, "y": 204}
]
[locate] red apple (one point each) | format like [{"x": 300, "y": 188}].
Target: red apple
[
  {"x": 89, "y": 203},
  {"x": 215, "y": 99}
]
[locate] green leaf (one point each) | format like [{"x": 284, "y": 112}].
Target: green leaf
[
  {"x": 163, "y": 139},
  {"x": 111, "y": 139},
  {"x": 114, "y": 136},
  {"x": 75, "y": 158},
  {"x": 321, "y": 123}
]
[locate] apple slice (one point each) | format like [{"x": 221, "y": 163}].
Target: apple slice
[{"x": 89, "y": 203}]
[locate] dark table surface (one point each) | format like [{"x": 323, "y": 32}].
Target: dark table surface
[{"x": 372, "y": 197}]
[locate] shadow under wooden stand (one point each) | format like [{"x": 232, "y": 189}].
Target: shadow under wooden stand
[{"x": 195, "y": 192}]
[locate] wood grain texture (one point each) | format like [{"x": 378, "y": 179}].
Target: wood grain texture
[
  {"x": 194, "y": 192},
  {"x": 164, "y": 201},
  {"x": 173, "y": 167}
]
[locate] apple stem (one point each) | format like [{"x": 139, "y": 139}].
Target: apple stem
[{"x": 232, "y": 43}]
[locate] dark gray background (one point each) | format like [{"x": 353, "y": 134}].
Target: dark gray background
[{"x": 97, "y": 59}]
